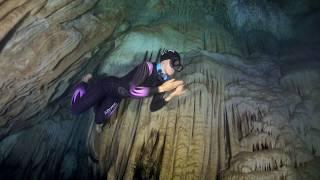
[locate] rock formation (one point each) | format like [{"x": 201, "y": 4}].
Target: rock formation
[
  {"x": 45, "y": 45},
  {"x": 227, "y": 126},
  {"x": 251, "y": 110}
]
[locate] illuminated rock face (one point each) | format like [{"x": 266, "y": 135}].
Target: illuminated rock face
[
  {"x": 44, "y": 47},
  {"x": 182, "y": 140},
  {"x": 251, "y": 110},
  {"x": 232, "y": 124},
  {"x": 41, "y": 49}
]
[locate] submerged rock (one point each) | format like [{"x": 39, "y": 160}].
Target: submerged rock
[{"x": 251, "y": 110}]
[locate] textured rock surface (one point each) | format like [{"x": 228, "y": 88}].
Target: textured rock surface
[
  {"x": 236, "y": 122},
  {"x": 251, "y": 111},
  {"x": 45, "y": 45},
  {"x": 41, "y": 57},
  {"x": 182, "y": 140}
]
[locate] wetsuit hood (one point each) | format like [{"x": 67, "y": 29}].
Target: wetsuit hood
[
  {"x": 161, "y": 72},
  {"x": 175, "y": 60}
]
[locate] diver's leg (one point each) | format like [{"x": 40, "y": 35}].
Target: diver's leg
[
  {"x": 85, "y": 96},
  {"x": 108, "y": 106}
]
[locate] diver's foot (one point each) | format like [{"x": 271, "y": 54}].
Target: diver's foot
[
  {"x": 86, "y": 77},
  {"x": 99, "y": 128}
]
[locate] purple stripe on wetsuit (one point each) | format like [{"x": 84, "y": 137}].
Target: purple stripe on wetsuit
[
  {"x": 150, "y": 67},
  {"x": 80, "y": 91},
  {"x": 141, "y": 91}
]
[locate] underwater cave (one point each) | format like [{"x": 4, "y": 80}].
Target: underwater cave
[{"x": 250, "y": 109}]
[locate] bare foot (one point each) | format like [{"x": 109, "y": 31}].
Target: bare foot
[
  {"x": 99, "y": 128},
  {"x": 87, "y": 77}
]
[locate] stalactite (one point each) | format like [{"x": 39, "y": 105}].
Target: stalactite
[
  {"x": 228, "y": 149},
  {"x": 204, "y": 41}
]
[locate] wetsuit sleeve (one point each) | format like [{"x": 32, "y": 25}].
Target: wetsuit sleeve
[
  {"x": 157, "y": 102},
  {"x": 142, "y": 72}
]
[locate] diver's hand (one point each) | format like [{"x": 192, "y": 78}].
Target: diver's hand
[
  {"x": 86, "y": 78},
  {"x": 170, "y": 85},
  {"x": 177, "y": 92}
]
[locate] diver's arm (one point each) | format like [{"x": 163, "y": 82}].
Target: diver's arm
[
  {"x": 157, "y": 102},
  {"x": 142, "y": 72}
]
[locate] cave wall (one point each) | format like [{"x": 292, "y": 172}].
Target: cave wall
[
  {"x": 251, "y": 68},
  {"x": 45, "y": 46}
]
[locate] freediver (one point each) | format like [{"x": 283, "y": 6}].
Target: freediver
[{"x": 105, "y": 93}]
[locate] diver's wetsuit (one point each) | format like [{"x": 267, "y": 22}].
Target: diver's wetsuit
[{"x": 105, "y": 93}]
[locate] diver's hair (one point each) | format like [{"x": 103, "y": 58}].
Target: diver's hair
[{"x": 169, "y": 54}]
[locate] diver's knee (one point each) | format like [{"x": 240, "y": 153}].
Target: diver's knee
[
  {"x": 75, "y": 109},
  {"x": 101, "y": 119}
]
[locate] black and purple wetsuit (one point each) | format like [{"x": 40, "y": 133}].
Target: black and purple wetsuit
[{"x": 105, "y": 93}]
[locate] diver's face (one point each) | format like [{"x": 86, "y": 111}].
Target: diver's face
[{"x": 167, "y": 67}]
